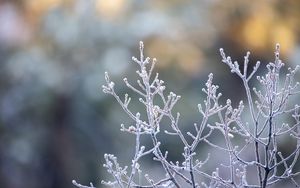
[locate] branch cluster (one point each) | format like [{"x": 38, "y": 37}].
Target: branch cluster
[{"x": 260, "y": 135}]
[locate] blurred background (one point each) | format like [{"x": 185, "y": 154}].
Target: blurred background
[{"x": 55, "y": 121}]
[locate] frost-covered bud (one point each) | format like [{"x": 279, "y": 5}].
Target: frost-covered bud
[
  {"x": 156, "y": 110},
  {"x": 138, "y": 115},
  {"x": 106, "y": 89},
  {"x": 230, "y": 135},
  {"x": 214, "y": 174},
  {"x": 106, "y": 76},
  {"x": 134, "y": 59},
  {"x": 122, "y": 127},
  {"x": 111, "y": 85},
  {"x": 172, "y": 94},
  {"x": 141, "y": 45},
  {"x": 162, "y": 88},
  {"x": 141, "y": 100},
  {"x": 132, "y": 129},
  {"x": 144, "y": 73},
  {"x": 228, "y": 102}
]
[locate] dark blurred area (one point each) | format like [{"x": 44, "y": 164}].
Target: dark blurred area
[{"x": 55, "y": 122}]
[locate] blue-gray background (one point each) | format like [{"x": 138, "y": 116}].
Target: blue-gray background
[{"x": 55, "y": 122}]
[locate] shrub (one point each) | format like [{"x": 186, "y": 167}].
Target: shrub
[{"x": 251, "y": 145}]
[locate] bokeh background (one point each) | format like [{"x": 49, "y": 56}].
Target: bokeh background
[{"x": 55, "y": 122}]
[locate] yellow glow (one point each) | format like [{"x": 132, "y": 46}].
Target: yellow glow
[
  {"x": 36, "y": 8},
  {"x": 162, "y": 50},
  {"x": 255, "y": 32},
  {"x": 110, "y": 8},
  {"x": 189, "y": 59},
  {"x": 41, "y": 5},
  {"x": 187, "y": 56},
  {"x": 264, "y": 28},
  {"x": 283, "y": 35}
]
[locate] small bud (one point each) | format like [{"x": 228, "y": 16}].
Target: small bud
[
  {"x": 162, "y": 88},
  {"x": 277, "y": 47},
  {"x": 141, "y": 45},
  {"x": 141, "y": 100},
  {"x": 134, "y": 59},
  {"x": 106, "y": 76},
  {"x": 230, "y": 135},
  {"x": 137, "y": 165},
  {"x": 131, "y": 129},
  {"x": 228, "y": 102},
  {"x": 111, "y": 84}
]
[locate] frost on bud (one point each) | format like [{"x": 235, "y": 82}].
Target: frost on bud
[
  {"x": 247, "y": 54},
  {"x": 141, "y": 45},
  {"x": 142, "y": 100},
  {"x": 200, "y": 107},
  {"x": 122, "y": 127},
  {"x": 135, "y": 59},
  {"x": 221, "y": 50},
  {"x": 230, "y": 135},
  {"x": 237, "y": 171},
  {"x": 147, "y": 60},
  {"x": 209, "y": 81},
  {"x": 257, "y": 64},
  {"x": 132, "y": 129},
  {"x": 236, "y": 148},
  {"x": 279, "y": 153},
  {"x": 214, "y": 174},
  {"x": 162, "y": 88},
  {"x": 228, "y": 102},
  {"x": 156, "y": 110},
  {"x": 138, "y": 115},
  {"x": 144, "y": 73},
  {"x": 105, "y": 89},
  {"x": 111, "y": 85},
  {"x": 106, "y": 76},
  {"x": 172, "y": 94},
  {"x": 277, "y": 47},
  {"x": 241, "y": 103},
  {"x": 137, "y": 165}
]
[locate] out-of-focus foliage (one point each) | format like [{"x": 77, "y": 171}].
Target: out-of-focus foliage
[{"x": 55, "y": 124}]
